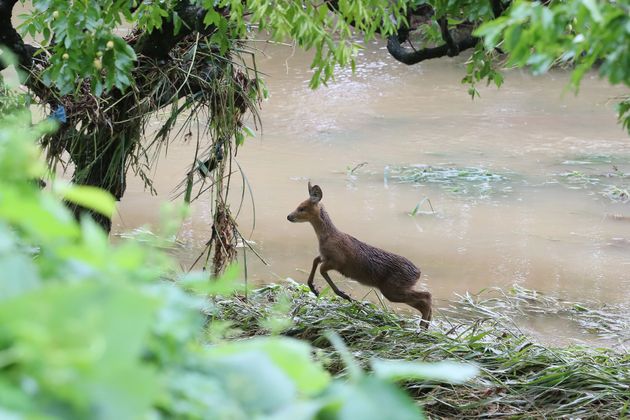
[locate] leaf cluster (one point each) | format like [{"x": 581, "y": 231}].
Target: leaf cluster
[{"x": 81, "y": 40}]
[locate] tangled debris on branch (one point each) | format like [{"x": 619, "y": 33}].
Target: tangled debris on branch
[{"x": 195, "y": 92}]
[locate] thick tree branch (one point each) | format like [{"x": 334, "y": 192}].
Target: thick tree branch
[
  {"x": 423, "y": 12},
  {"x": 408, "y": 57},
  {"x": 160, "y": 42}
]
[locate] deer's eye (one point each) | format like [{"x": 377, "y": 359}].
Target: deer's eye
[{"x": 301, "y": 208}]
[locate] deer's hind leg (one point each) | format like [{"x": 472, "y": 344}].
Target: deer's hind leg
[
  {"x": 420, "y": 300},
  {"x": 324, "y": 272}
]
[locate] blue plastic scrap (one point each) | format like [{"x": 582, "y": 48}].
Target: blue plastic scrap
[{"x": 59, "y": 114}]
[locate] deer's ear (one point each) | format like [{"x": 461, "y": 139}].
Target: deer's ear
[
  {"x": 316, "y": 194},
  {"x": 309, "y": 187}
]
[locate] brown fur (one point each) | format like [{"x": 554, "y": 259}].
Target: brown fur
[{"x": 394, "y": 275}]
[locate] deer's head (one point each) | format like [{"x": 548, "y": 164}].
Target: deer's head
[{"x": 308, "y": 209}]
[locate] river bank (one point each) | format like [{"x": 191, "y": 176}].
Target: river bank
[{"x": 519, "y": 376}]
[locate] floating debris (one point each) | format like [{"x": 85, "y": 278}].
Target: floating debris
[
  {"x": 616, "y": 194},
  {"x": 611, "y": 184},
  {"x": 466, "y": 180}
]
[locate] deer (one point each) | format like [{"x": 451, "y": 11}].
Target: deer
[{"x": 394, "y": 275}]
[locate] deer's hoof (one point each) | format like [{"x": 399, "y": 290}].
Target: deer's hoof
[{"x": 346, "y": 297}]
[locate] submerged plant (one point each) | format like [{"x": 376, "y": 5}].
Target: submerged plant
[
  {"x": 617, "y": 194},
  {"x": 609, "y": 184},
  {"x": 465, "y": 180},
  {"x": 418, "y": 208},
  {"x": 578, "y": 179}
]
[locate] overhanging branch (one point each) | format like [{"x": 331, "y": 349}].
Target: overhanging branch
[
  {"x": 160, "y": 42},
  {"x": 410, "y": 57}
]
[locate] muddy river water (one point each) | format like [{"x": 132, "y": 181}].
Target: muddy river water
[{"x": 524, "y": 185}]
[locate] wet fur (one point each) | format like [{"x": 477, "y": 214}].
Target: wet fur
[{"x": 394, "y": 275}]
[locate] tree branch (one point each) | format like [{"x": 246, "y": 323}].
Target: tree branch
[
  {"x": 160, "y": 42},
  {"x": 408, "y": 57}
]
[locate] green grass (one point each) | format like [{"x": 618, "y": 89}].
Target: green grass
[{"x": 520, "y": 378}]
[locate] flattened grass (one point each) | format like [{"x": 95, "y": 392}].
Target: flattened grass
[{"x": 520, "y": 378}]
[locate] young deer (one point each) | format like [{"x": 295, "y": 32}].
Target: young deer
[{"x": 393, "y": 275}]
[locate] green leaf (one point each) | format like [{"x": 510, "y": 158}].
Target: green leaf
[
  {"x": 249, "y": 131},
  {"x": 19, "y": 273},
  {"x": 212, "y": 17},
  {"x": 370, "y": 399},
  {"x": 450, "y": 372},
  {"x": 92, "y": 335},
  {"x": 354, "y": 370},
  {"x": 43, "y": 218},
  {"x": 90, "y": 197},
  {"x": 491, "y": 32},
  {"x": 593, "y": 8},
  {"x": 292, "y": 356},
  {"x": 252, "y": 379},
  {"x": 177, "y": 23},
  {"x": 512, "y": 37},
  {"x": 226, "y": 284}
]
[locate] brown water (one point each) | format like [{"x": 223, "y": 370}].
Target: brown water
[{"x": 562, "y": 238}]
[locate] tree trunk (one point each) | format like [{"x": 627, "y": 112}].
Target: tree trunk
[
  {"x": 107, "y": 172},
  {"x": 101, "y": 159}
]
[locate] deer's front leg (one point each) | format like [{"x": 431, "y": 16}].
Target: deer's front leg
[
  {"x": 311, "y": 276},
  {"x": 324, "y": 272}
]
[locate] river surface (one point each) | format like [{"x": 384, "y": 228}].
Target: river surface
[{"x": 514, "y": 188}]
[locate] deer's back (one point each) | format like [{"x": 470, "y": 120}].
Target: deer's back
[{"x": 366, "y": 263}]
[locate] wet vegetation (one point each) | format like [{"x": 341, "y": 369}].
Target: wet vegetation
[
  {"x": 518, "y": 376},
  {"x": 616, "y": 194},
  {"x": 469, "y": 181},
  {"x": 597, "y": 175},
  {"x": 603, "y": 175}
]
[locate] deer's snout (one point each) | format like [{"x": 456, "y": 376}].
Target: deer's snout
[{"x": 291, "y": 217}]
